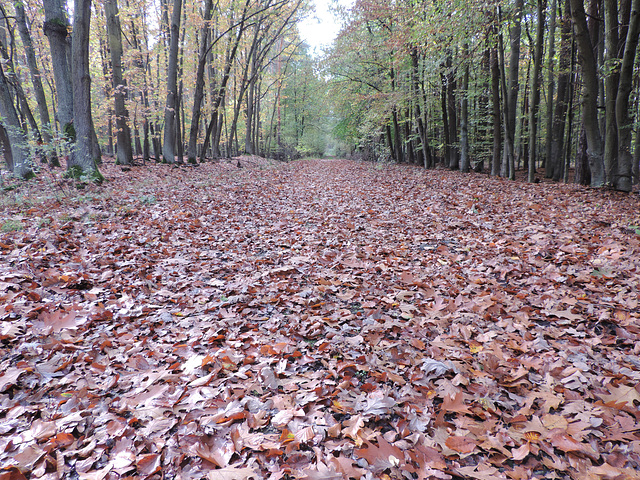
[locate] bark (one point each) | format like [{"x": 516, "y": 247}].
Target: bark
[
  {"x": 551, "y": 87},
  {"x": 555, "y": 163},
  {"x": 507, "y": 168},
  {"x": 169, "y": 137},
  {"x": 426, "y": 151},
  {"x": 535, "y": 90},
  {"x": 611, "y": 82},
  {"x": 198, "y": 94},
  {"x": 453, "y": 160},
  {"x": 56, "y": 29},
  {"x": 514, "y": 83},
  {"x": 624, "y": 180},
  {"x": 589, "y": 94},
  {"x": 83, "y": 160},
  {"x": 34, "y": 72},
  {"x": 125, "y": 154},
  {"x": 18, "y": 162},
  {"x": 497, "y": 127},
  {"x": 464, "y": 114}
]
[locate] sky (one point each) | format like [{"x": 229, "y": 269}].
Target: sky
[{"x": 321, "y": 29}]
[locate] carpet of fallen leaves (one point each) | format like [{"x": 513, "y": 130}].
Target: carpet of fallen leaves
[{"x": 323, "y": 319}]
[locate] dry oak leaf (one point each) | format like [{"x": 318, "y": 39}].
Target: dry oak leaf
[
  {"x": 149, "y": 464},
  {"x": 461, "y": 444},
  {"x": 609, "y": 472},
  {"x": 10, "y": 377},
  {"x": 481, "y": 472},
  {"x": 12, "y": 473},
  {"x": 232, "y": 473},
  {"x": 382, "y": 456},
  {"x": 566, "y": 443},
  {"x": 521, "y": 452},
  {"x": 623, "y": 395}
]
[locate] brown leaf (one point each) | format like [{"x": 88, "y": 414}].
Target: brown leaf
[{"x": 461, "y": 444}]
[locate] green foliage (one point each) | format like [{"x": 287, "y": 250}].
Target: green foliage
[
  {"x": 148, "y": 200},
  {"x": 11, "y": 226}
]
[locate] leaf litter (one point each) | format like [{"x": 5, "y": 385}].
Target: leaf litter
[{"x": 322, "y": 319}]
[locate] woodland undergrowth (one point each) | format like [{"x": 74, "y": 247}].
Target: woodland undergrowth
[{"x": 320, "y": 319}]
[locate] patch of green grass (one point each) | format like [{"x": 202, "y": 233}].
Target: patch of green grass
[
  {"x": 11, "y": 226},
  {"x": 44, "y": 222},
  {"x": 148, "y": 200}
]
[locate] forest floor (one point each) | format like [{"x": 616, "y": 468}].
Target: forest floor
[{"x": 321, "y": 319}]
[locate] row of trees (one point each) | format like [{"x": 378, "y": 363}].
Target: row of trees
[
  {"x": 495, "y": 85},
  {"x": 174, "y": 80}
]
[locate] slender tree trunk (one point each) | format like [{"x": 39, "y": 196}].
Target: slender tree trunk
[
  {"x": 464, "y": 113},
  {"x": 591, "y": 87},
  {"x": 497, "y": 127},
  {"x": 18, "y": 160},
  {"x": 169, "y": 137},
  {"x": 514, "y": 82},
  {"x": 551, "y": 85},
  {"x": 198, "y": 93},
  {"x": 555, "y": 162},
  {"x": 611, "y": 83},
  {"x": 83, "y": 157},
  {"x": 624, "y": 179},
  {"x": 36, "y": 81},
  {"x": 535, "y": 90},
  {"x": 125, "y": 154}
]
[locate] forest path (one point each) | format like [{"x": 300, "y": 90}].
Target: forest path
[{"x": 320, "y": 319}]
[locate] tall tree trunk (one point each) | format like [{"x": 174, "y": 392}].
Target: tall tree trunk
[
  {"x": 624, "y": 179},
  {"x": 535, "y": 90},
  {"x": 426, "y": 151},
  {"x": 587, "y": 57},
  {"x": 36, "y": 81},
  {"x": 551, "y": 86},
  {"x": 555, "y": 163},
  {"x": 18, "y": 162},
  {"x": 464, "y": 112},
  {"x": 125, "y": 154},
  {"x": 56, "y": 29},
  {"x": 198, "y": 94},
  {"x": 169, "y": 137},
  {"x": 611, "y": 83},
  {"x": 82, "y": 159},
  {"x": 497, "y": 127},
  {"x": 514, "y": 82}
]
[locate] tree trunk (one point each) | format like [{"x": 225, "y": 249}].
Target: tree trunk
[
  {"x": 198, "y": 94},
  {"x": 514, "y": 82},
  {"x": 18, "y": 161},
  {"x": 56, "y": 29},
  {"x": 611, "y": 83},
  {"x": 83, "y": 161},
  {"x": 551, "y": 86},
  {"x": 464, "y": 113},
  {"x": 497, "y": 127},
  {"x": 169, "y": 137},
  {"x": 535, "y": 90},
  {"x": 125, "y": 154},
  {"x": 555, "y": 162},
  {"x": 36, "y": 81},
  {"x": 624, "y": 179},
  {"x": 590, "y": 94}
]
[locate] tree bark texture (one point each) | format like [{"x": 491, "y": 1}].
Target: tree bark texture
[
  {"x": 169, "y": 137},
  {"x": 123, "y": 133},
  {"x": 19, "y": 162},
  {"x": 590, "y": 91},
  {"x": 83, "y": 158}
]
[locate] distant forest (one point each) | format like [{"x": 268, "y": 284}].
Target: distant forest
[{"x": 547, "y": 86}]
